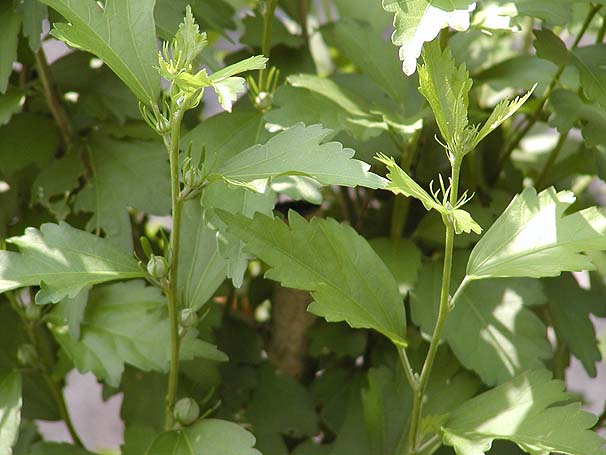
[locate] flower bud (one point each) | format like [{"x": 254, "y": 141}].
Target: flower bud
[
  {"x": 157, "y": 266},
  {"x": 189, "y": 318},
  {"x": 192, "y": 177},
  {"x": 186, "y": 411},
  {"x": 27, "y": 355},
  {"x": 264, "y": 101}
]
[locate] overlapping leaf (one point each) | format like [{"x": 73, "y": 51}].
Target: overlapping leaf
[
  {"x": 125, "y": 174},
  {"x": 527, "y": 410},
  {"x": 345, "y": 276},
  {"x": 208, "y": 436},
  {"x": 122, "y": 33},
  {"x": 125, "y": 323},
  {"x": 63, "y": 260},
  {"x": 299, "y": 150},
  {"x": 534, "y": 238},
  {"x": 491, "y": 329}
]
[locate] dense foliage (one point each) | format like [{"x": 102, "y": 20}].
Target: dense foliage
[{"x": 274, "y": 230}]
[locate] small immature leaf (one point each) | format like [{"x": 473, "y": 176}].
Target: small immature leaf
[
  {"x": 419, "y": 21},
  {"x": 401, "y": 183},
  {"x": 125, "y": 323},
  {"x": 534, "y": 238},
  {"x": 63, "y": 260},
  {"x": 208, "y": 437},
  {"x": 10, "y": 411},
  {"x": 120, "y": 32},
  {"x": 526, "y": 410},
  {"x": 299, "y": 150},
  {"x": 345, "y": 276},
  {"x": 501, "y": 112},
  {"x": 446, "y": 88}
]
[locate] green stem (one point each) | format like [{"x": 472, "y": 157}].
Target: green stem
[
  {"x": 410, "y": 375},
  {"x": 52, "y": 98},
  {"x": 46, "y": 368},
  {"x": 445, "y": 305},
  {"x": 172, "y": 144},
  {"x": 553, "y": 156},
  {"x": 268, "y": 19},
  {"x": 536, "y": 114}
]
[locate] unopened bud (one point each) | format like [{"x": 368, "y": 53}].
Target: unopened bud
[
  {"x": 186, "y": 411},
  {"x": 157, "y": 266},
  {"x": 192, "y": 177},
  {"x": 264, "y": 101},
  {"x": 189, "y": 318}
]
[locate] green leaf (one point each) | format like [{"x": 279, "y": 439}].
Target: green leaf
[
  {"x": 10, "y": 410},
  {"x": 360, "y": 10},
  {"x": 35, "y": 133},
  {"x": 403, "y": 259},
  {"x": 534, "y": 238},
  {"x": 34, "y": 13},
  {"x": 271, "y": 419},
  {"x": 327, "y": 103},
  {"x": 527, "y": 410},
  {"x": 419, "y": 21},
  {"x": 10, "y": 24},
  {"x": 569, "y": 308},
  {"x": 73, "y": 310},
  {"x": 591, "y": 63},
  {"x": 125, "y": 323},
  {"x": 386, "y": 402},
  {"x": 401, "y": 183},
  {"x": 299, "y": 150},
  {"x": 502, "y": 111},
  {"x": 446, "y": 88},
  {"x": 491, "y": 329},
  {"x": 550, "y": 47},
  {"x": 125, "y": 174},
  {"x": 10, "y": 103},
  {"x": 122, "y": 33},
  {"x": 62, "y": 260},
  {"x": 202, "y": 269},
  {"x": 208, "y": 436},
  {"x": 569, "y": 110},
  {"x": 347, "y": 279},
  {"x": 371, "y": 54},
  {"x": 236, "y": 200}
]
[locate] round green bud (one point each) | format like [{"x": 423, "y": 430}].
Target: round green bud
[
  {"x": 27, "y": 355},
  {"x": 157, "y": 266},
  {"x": 264, "y": 100},
  {"x": 32, "y": 312},
  {"x": 189, "y": 318},
  {"x": 186, "y": 411}
]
